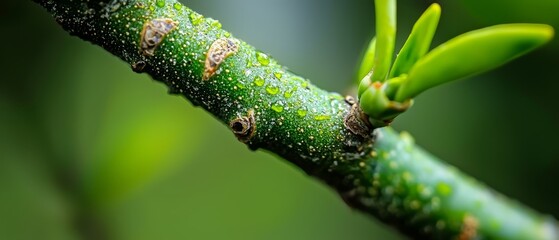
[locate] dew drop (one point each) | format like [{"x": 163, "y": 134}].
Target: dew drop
[
  {"x": 440, "y": 224},
  {"x": 259, "y": 81},
  {"x": 195, "y": 18},
  {"x": 297, "y": 78},
  {"x": 214, "y": 23},
  {"x": 302, "y": 112},
  {"x": 240, "y": 85},
  {"x": 289, "y": 93},
  {"x": 272, "y": 89},
  {"x": 277, "y": 106},
  {"x": 443, "y": 189},
  {"x": 414, "y": 204},
  {"x": 177, "y": 6},
  {"x": 160, "y": 3},
  {"x": 407, "y": 176},
  {"x": 321, "y": 117},
  {"x": 262, "y": 58}
]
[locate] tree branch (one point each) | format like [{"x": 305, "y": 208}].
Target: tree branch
[{"x": 379, "y": 172}]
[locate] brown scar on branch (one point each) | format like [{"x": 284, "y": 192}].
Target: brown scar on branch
[
  {"x": 153, "y": 34},
  {"x": 218, "y": 52},
  {"x": 244, "y": 127},
  {"x": 356, "y": 120},
  {"x": 469, "y": 228},
  {"x": 138, "y": 67}
]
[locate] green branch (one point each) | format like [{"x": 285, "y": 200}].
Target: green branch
[{"x": 379, "y": 172}]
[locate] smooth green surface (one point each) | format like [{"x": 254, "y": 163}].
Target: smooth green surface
[
  {"x": 367, "y": 62},
  {"x": 418, "y": 42},
  {"x": 473, "y": 53},
  {"x": 386, "y": 38},
  {"x": 453, "y": 122}
]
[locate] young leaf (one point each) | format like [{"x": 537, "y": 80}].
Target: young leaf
[
  {"x": 364, "y": 84},
  {"x": 367, "y": 62},
  {"x": 418, "y": 42},
  {"x": 386, "y": 34},
  {"x": 472, "y": 53}
]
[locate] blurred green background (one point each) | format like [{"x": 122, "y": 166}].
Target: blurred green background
[{"x": 89, "y": 148}]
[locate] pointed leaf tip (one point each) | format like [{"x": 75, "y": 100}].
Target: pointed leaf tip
[
  {"x": 419, "y": 41},
  {"x": 547, "y": 31},
  {"x": 473, "y": 53}
]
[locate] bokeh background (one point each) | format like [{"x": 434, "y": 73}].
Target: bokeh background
[{"x": 89, "y": 149}]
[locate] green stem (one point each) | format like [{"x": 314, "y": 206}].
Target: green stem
[
  {"x": 386, "y": 37},
  {"x": 327, "y": 136}
]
